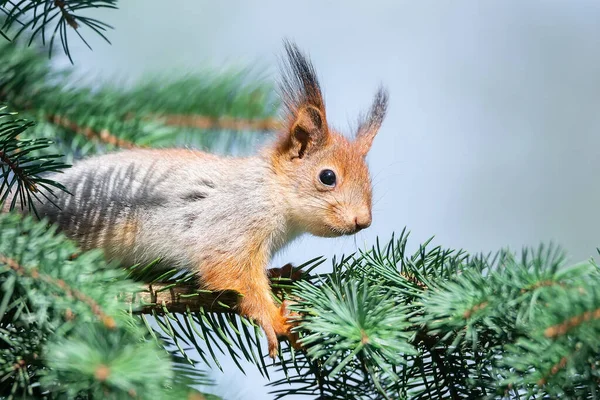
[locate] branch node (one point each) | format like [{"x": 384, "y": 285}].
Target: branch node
[{"x": 65, "y": 14}]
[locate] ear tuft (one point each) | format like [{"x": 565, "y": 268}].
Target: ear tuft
[
  {"x": 305, "y": 109},
  {"x": 370, "y": 125},
  {"x": 300, "y": 85}
]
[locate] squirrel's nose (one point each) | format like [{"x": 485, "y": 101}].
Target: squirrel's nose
[{"x": 362, "y": 221}]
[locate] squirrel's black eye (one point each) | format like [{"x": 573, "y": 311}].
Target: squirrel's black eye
[{"x": 327, "y": 177}]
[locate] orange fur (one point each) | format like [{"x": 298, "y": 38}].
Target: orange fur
[{"x": 251, "y": 282}]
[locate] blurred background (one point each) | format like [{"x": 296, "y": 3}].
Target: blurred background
[{"x": 493, "y": 132}]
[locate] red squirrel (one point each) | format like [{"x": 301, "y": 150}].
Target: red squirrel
[{"x": 224, "y": 217}]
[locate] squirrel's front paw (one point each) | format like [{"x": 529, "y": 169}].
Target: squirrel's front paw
[
  {"x": 287, "y": 321},
  {"x": 281, "y": 327}
]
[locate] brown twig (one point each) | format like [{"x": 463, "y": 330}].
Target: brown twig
[
  {"x": 477, "y": 307},
  {"x": 103, "y": 136},
  {"x": 182, "y": 298},
  {"x": 557, "y": 330},
  {"x": 107, "y": 320},
  {"x": 65, "y": 14},
  {"x": 414, "y": 280},
  {"x": 219, "y": 123},
  {"x": 544, "y": 283},
  {"x": 553, "y": 371},
  {"x": 17, "y": 171}
]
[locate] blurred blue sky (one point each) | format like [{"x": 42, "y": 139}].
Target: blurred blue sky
[{"x": 492, "y": 137}]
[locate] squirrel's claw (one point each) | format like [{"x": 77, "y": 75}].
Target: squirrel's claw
[
  {"x": 290, "y": 320},
  {"x": 282, "y": 328}
]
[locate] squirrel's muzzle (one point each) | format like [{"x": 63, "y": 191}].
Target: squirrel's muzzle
[{"x": 362, "y": 220}]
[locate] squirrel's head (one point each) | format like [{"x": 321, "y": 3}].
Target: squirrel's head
[{"x": 328, "y": 186}]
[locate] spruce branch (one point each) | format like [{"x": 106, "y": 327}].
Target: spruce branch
[
  {"x": 564, "y": 327},
  {"x": 159, "y": 299},
  {"x": 368, "y": 334},
  {"x": 33, "y": 273},
  {"x": 16, "y": 170},
  {"x": 104, "y": 136},
  {"x": 22, "y": 167},
  {"x": 54, "y": 336},
  {"x": 219, "y": 123},
  {"x": 49, "y": 18},
  {"x": 65, "y": 14},
  {"x": 153, "y": 112},
  {"x": 478, "y": 325}
]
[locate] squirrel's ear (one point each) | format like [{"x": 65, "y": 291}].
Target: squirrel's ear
[
  {"x": 308, "y": 132},
  {"x": 305, "y": 109},
  {"x": 368, "y": 128}
]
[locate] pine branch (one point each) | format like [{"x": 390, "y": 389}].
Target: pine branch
[
  {"x": 441, "y": 325},
  {"x": 52, "y": 17},
  {"x": 17, "y": 171},
  {"x": 219, "y": 123},
  {"x": 21, "y": 166},
  {"x": 65, "y": 14},
  {"x": 104, "y": 136},
  {"x": 64, "y": 332},
  {"x": 68, "y": 291},
  {"x": 155, "y": 112},
  {"x": 434, "y": 324},
  {"x": 471, "y": 320},
  {"x": 160, "y": 299},
  {"x": 372, "y": 329}
]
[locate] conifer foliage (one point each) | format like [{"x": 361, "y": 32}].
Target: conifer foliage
[{"x": 385, "y": 323}]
